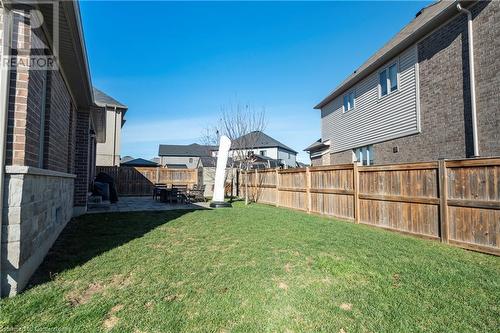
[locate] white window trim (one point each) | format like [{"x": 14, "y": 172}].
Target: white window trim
[
  {"x": 353, "y": 91},
  {"x": 361, "y": 154},
  {"x": 386, "y": 69}
]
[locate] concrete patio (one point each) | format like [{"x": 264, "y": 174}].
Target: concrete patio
[{"x": 137, "y": 204}]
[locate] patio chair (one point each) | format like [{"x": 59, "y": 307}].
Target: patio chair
[
  {"x": 182, "y": 192},
  {"x": 157, "y": 190},
  {"x": 170, "y": 195},
  {"x": 197, "y": 193}
]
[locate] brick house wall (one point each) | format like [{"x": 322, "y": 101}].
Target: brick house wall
[
  {"x": 62, "y": 123},
  {"x": 445, "y": 102},
  {"x": 82, "y": 147},
  {"x": 47, "y": 158},
  {"x": 18, "y": 96},
  {"x": 316, "y": 161},
  {"x": 58, "y": 127}
]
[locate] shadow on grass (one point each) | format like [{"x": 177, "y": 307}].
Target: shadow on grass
[{"x": 89, "y": 236}]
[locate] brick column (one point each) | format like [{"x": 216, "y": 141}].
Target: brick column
[{"x": 81, "y": 165}]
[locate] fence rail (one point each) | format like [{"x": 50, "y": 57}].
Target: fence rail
[
  {"x": 455, "y": 201},
  {"x": 138, "y": 181}
]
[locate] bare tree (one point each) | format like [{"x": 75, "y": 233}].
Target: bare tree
[{"x": 243, "y": 125}]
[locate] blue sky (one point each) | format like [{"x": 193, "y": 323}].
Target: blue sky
[{"x": 176, "y": 63}]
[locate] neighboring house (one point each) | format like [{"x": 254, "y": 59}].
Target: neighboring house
[
  {"x": 108, "y": 147},
  {"x": 139, "y": 162},
  {"x": 208, "y": 164},
  {"x": 175, "y": 156},
  {"x": 50, "y": 125},
  {"x": 259, "y": 143},
  {"x": 156, "y": 160},
  {"x": 413, "y": 100},
  {"x": 263, "y": 162},
  {"x": 193, "y": 156},
  {"x": 319, "y": 152},
  {"x": 184, "y": 156},
  {"x": 126, "y": 159}
]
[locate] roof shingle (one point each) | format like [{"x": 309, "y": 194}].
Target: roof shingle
[
  {"x": 103, "y": 100},
  {"x": 193, "y": 149},
  {"x": 258, "y": 139}
]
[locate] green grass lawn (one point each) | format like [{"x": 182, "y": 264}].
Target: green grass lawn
[{"x": 253, "y": 269}]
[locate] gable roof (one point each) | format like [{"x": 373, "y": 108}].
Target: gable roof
[
  {"x": 139, "y": 162},
  {"x": 317, "y": 145},
  {"x": 258, "y": 139},
  {"x": 103, "y": 100},
  {"x": 127, "y": 158},
  {"x": 211, "y": 161},
  {"x": 426, "y": 20},
  {"x": 193, "y": 149},
  {"x": 314, "y": 145}
]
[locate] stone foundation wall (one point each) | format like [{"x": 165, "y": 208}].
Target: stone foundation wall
[
  {"x": 38, "y": 204},
  {"x": 343, "y": 157},
  {"x": 316, "y": 161}
]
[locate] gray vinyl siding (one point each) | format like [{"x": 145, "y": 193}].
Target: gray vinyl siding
[
  {"x": 164, "y": 160},
  {"x": 375, "y": 120},
  {"x": 283, "y": 155}
]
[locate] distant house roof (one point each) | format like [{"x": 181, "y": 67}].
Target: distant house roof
[
  {"x": 302, "y": 165},
  {"x": 263, "y": 162},
  {"x": 156, "y": 160},
  {"x": 258, "y": 139},
  {"x": 126, "y": 159},
  {"x": 139, "y": 162},
  {"x": 210, "y": 161},
  {"x": 103, "y": 100},
  {"x": 176, "y": 166},
  {"x": 193, "y": 149},
  {"x": 426, "y": 19}
]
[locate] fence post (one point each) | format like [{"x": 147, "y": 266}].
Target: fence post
[
  {"x": 443, "y": 202},
  {"x": 157, "y": 175},
  {"x": 277, "y": 188},
  {"x": 255, "y": 185},
  {"x": 308, "y": 189},
  {"x": 355, "y": 189}
]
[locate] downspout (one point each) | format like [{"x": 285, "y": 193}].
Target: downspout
[
  {"x": 472, "y": 79},
  {"x": 4, "y": 107},
  {"x": 114, "y": 139}
]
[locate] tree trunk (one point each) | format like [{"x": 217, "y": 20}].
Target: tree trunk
[{"x": 246, "y": 187}]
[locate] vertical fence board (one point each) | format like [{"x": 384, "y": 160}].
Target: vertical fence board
[
  {"x": 473, "y": 203},
  {"x": 140, "y": 181},
  {"x": 401, "y": 197}
]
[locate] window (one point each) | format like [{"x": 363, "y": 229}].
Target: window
[
  {"x": 262, "y": 153},
  {"x": 388, "y": 80},
  {"x": 349, "y": 101},
  {"x": 288, "y": 155},
  {"x": 364, "y": 155},
  {"x": 393, "y": 77},
  {"x": 190, "y": 160},
  {"x": 383, "y": 83}
]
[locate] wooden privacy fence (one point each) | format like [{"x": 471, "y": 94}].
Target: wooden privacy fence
[
  {"x": 457, "y": 202},
  {"x": 141, "y": 180}
]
